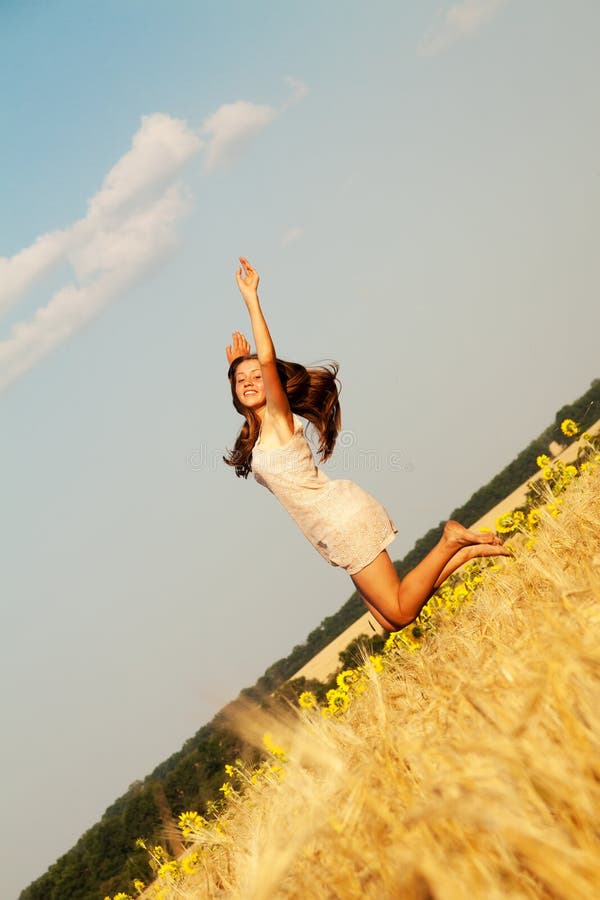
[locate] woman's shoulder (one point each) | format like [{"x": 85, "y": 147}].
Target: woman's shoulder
[{"x": 271, "y": 438}]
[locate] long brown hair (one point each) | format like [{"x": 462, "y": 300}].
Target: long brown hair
[{"x": 312, "y": 393}]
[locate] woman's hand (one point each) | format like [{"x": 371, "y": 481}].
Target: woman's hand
[
  {"x": 247, "y": 280},
  {"x": 239, "y": 347}
]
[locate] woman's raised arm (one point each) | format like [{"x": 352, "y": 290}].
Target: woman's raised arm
[
  {"x": 277, "y": 401},
  {"x": 247, "y": 279}
]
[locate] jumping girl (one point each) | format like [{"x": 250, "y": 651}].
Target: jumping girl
[{"x": 345, "y": 524}]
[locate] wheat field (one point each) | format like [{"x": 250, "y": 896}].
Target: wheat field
[{"x": 468, "y": 769}]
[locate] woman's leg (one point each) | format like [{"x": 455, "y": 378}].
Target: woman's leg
[
  {"x": 397, "y": 603},
  {"x": 465, "y": 554}
]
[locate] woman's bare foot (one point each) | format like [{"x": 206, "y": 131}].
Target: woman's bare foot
[
  {"x": 477, "y": 550},
  {"x": 458, "y": 536},
  {"x": 466, "y": 554}
]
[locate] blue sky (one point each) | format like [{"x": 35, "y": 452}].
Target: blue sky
[{"x": 418, "y": 186}]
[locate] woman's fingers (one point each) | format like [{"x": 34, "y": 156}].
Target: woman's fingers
[
  {"x": 246, "y": 275},
  {"x": 238, "y": 347},
  {"x": 241, "y": 343},
  {"x": 246, "y": 264}
]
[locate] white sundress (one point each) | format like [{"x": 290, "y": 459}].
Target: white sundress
[{"x": 343, "y": 522}]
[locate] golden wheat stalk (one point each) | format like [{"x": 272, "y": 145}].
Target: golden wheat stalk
[{"x": 471, "y": 768}]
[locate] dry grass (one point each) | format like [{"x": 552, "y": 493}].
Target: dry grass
[{"x": 470, "y": 769}]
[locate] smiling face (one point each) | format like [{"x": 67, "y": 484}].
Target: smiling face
[{"x": 249, "y": 388}]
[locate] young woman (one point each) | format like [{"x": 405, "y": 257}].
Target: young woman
[{"x": 345, "y": 524}]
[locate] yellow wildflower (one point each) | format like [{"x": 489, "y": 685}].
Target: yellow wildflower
[
  {"x": 257, "y": 773},
  {"x": 190, "y": 821},
  {"x": 190, "y": 864},
  {"x": 586, "y": 436},
  {"x": 227, "y": 790},
  {"x": 360, "y": 686},
  {"x": 505, "y": 523},
  {"x": 170, "y": 871},
  {"x": 377, "y": 662},
  {"x": 533, "y": 519},
  {"x": 307, "y": 700},
  {"x": 405, "y": 637},
  {"x": 547, "y": 473},
  {"x": 229, "y": 770},
  {"x": 346, "y": 679},
  {"x": 392, "y": 642},
  {"x": 569, "y": 427},
  {"x": 543, "y": 461},
  {"x": 274, "y": 750},
  {"x": 159, "y": 853},
  {"x": 461, "y": 592},
  {"x": 338, "y": 701},
  {"x": 139, "y": 885}
]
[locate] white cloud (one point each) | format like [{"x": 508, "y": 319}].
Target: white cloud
[
  {"x": 460, "y": 21},
  {"x": 130, "y": 223},
  {"x": 291, "y": 235},
  {"x": 159, "y": 149},
  {"x": 19, "y": 272},
  {"x": 119, "y": 244},
  {"x": 121, "y": 257},
  {"x": 230, "y": 127},
  {"x": 234, "y": 124}
]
